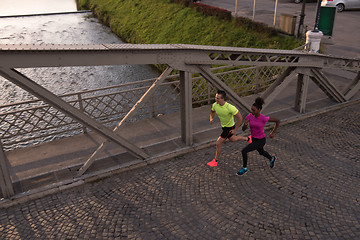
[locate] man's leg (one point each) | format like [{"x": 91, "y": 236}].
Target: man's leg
[
  {"x": 235, "y": 138},
  {"x": 219, "y": 143}
]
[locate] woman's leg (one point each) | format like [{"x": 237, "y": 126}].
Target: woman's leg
[
  {"x": 255, "y": 145},
  {"x": 263, "y": 152}
]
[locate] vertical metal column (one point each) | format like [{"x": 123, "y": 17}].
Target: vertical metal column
[
  {"x": 301, "y": 92},
  {"x": 186, "y": 107},
  {"x": 7, "y": 188}
]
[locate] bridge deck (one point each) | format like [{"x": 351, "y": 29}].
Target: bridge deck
[
  {"x": 185, "y": 58},
  {"x": 311, "y": 193},
  {"x": 57, "y": 161}
]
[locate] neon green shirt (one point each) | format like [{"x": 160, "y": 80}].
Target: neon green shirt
[{"x": 225, "y": 113}]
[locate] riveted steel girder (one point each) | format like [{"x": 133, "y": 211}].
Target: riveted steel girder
[{"x": 178, "y": 56}]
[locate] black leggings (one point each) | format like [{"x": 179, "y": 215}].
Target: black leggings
[{"x": 257, "y": 144}]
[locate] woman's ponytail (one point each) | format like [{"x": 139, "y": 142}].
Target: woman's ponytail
[{"x": 259, "y": 102}]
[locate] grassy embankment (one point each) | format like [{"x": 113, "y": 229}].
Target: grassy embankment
[{"x": 163, "y": 22}]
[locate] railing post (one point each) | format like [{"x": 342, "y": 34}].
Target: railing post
[
  {"x": 257, "y": 77},
  {"x": 153, "y": 106},
  {"x": 81, "y": 106},
  {"x": 7, "y": 188},
  {"x": 186, "y": 107},
  {"x": 209, "y": 92}
]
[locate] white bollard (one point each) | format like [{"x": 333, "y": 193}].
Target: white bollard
[{"x": 313, "y": 39}]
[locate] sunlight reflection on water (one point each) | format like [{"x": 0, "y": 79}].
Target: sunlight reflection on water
[{"x": 25, "y": 7}]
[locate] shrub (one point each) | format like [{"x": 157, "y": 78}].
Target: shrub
[{"x": 213, "y": 11}]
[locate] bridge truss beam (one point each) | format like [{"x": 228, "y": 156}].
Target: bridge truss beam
[
  {"x": 187, "y": 59},
  {"x": 178, "y": 56},
  {"x": 28, "y": 85},
  {"x": 138, "y": 105}
]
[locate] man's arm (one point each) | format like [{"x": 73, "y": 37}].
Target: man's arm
[
  {"x": 238, "y": 122},
  {"x": 212, "y": 115}
]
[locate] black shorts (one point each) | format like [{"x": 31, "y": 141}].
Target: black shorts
[{"x": 226, "y": 132}]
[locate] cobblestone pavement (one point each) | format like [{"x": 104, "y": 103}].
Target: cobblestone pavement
[{"x": 311, "y": 193}]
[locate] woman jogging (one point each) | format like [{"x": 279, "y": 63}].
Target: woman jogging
[{"x": 257, "y": 123}]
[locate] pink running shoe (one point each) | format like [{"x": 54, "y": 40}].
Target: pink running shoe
[
  {"x": 213, "y": 163},
  {"x": 250, "y": 139}
]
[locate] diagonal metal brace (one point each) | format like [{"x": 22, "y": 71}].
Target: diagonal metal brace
[
  {"x": 277, "y": 82},
  {"x": 352, "y": 88},
  {"x": 139, "y": 104},
  {"x": 326, "y": 86},
  {"x": 27, "y": 84},
  {"x": 279, "y": 85},
  {"x": 216, "y": 82}
]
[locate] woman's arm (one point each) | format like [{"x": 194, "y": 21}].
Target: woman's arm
[
  {"x": 245, "y": 125},
  {"x": 277, "y": 123}
]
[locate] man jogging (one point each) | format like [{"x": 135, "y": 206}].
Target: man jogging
[{"x": 226, "y": 113}]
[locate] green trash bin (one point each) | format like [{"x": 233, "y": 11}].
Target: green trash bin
[{"x": 326, "y": 21}]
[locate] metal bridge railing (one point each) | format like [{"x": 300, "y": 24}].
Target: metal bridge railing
[
  {"x": 243, "y": 72},
  {"x": 32, "y": 122}
]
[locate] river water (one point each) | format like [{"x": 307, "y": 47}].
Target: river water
[
  {"x": 73, "y": 28},
  {"x": 24, "y": 7}
]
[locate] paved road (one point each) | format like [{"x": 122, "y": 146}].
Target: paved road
[
  {"x": 346, "y": 34},
  {"x": 311, "y": 193}
]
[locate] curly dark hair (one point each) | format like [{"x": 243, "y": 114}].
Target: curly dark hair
[{"x": 259, "y": 102}]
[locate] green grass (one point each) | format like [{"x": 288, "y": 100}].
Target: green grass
[{"x": 163, "y": 22}]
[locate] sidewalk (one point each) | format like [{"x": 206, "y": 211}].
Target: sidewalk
[
  {"x": 345, "y": 38},
  {"x": 311, "y": 193}
]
